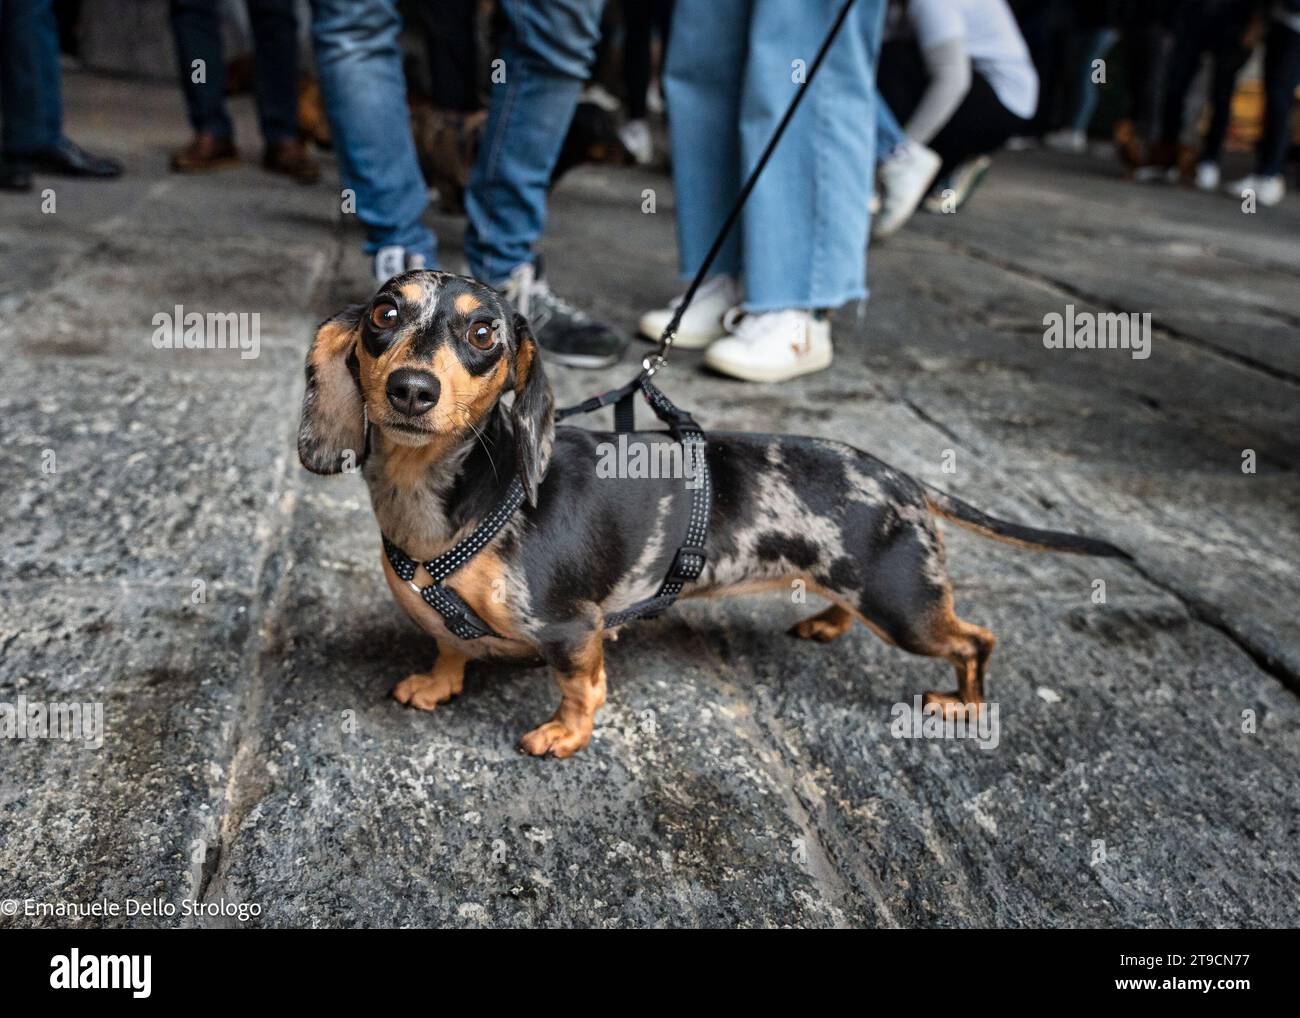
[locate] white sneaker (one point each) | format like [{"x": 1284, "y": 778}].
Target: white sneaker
[
  {"x": 1207, "y": 176},
  {"x": 904, "y": 178},
  {"x": 962, "y": 183},
  {"x": 654, "y": 100},
  {"x": 1066, "y": 140},
  {"x": 1268, "y": 191},
  {"x": 602, "y": 97},
  {"x": 772, "y": 346},
  {"x": 702, "y": 322},
  {"x": 635, "y": 136}
]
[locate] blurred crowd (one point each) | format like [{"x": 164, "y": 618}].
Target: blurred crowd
[{"x": 484, "y": 104}]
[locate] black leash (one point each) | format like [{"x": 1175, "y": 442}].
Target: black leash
[{"x": 691, "y": 556}]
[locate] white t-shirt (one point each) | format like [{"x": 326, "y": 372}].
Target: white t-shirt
[{"x": 993, "y": 40}]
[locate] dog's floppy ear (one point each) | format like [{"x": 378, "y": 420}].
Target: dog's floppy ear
[
  {"x": 533, "y": 413},
  {"x": 332, "y": 434}
]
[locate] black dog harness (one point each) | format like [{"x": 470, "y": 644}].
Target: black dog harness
[{"x": 687, "y": 563}]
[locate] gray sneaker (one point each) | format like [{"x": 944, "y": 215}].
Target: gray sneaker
[
  {"x": 567, "y": 334},
  {"x": 394, "y": 260}
]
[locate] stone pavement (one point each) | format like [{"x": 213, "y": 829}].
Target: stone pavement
[{"x": 1149, "y": 746}]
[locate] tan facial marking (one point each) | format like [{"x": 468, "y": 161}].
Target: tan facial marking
[
  {"x": 467, "y": 303},
  {"x": 465, "y": 397}
]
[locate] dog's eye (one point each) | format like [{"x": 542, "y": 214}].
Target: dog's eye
[
  {"x": 480, "y": 335},
  {"x": 383, "y": 315}
]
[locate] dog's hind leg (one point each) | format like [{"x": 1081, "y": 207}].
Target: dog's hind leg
[
  {"x": 425, "y": 690},
  {"x": 580, "y": 674},
  {"x": 824, "y": 626},
  {"x": 968, "y": 647}
]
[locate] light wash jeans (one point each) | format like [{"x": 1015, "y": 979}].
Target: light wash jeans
[
  {"x": 731, "y": 73},
  {"x": 360, "y": 69},
  {"x": 889, "y": 133},
  {"x": 547, "y": 48},
  {"x": 30, "y": 79}
]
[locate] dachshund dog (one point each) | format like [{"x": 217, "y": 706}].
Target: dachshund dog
[{"x": 409, "y": 389}]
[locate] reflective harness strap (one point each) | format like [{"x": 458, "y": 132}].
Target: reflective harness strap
[
  {"x": 687, "y": 565},
  {"x": 691, "y": 556},
  {"x": 460, "y": 618}
]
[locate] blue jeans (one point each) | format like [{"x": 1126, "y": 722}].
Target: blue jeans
[
  {"x": 1094, "y": 44},
  {"x": 547, "y": 50},
  {"x": 889, "y": 133},
  {"x": 196, "y": 27},
  {"x": 730, "y": 76},
  {"x": 360, "y": 69},
  {"x": 30, "y": 83}
]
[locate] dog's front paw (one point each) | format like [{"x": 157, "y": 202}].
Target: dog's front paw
[
  {"x": 425, "y": 691},
  {"x": 555, "y": 738}
]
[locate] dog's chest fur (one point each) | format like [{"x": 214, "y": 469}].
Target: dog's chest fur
[{"x": 409, "y": 499}]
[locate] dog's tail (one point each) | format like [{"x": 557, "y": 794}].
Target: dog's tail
[{"x": 965, "y": 515}]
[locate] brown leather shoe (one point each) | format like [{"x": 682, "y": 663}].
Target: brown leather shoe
[
  {"x": 204, "y": 152},
  {"x": 291, "y": 158}
]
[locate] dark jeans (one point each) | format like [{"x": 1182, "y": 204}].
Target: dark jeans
[
  {"x": 980, "y": 124},
  {"x": 1213, "y": 27},
  {"x": 451, "y": 42},
  {"x": 1281, "y": 76},
  {"x": 196, "y": 25},
  {"x": 29, "y": 76},
  {"x": 641, "y": 18}
]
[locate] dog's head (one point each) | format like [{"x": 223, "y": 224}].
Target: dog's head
[{"x": 425, "y": 362}]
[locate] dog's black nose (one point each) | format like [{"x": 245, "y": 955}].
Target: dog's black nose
[{"x": 412, "y": 392}]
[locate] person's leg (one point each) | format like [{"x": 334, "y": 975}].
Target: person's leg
[
  {"x": 1094, "y": 46},
  {"x": 702, "y": 81},
  {"x": 275, "y": 40},
  {"x": 902, "y": 78},
  {"x": 547, "y": 50},
  {"x": 805, "y": 224},
  {"x": 30, "y": 84},
  {"x": 453, "y": 54},
  {"x": 1229, "y": 59},
  {"x": 980, "y": 125},
  {"x": 1281, "y": 76},
  {"x": 638, "y": 18},
  {"x": 889, "y": 134},
  {"x": 360, "y": 69},
  {"x": 196, "y": 30},
  {"x": 1184, "y": 62}
]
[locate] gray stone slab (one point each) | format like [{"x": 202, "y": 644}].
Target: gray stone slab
[
  {"x": 154, "y": 476},
  {"x": 678, "y": 817},
  {"x": 137, "y": 816},
  {"x": 736, "y": 777}
]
